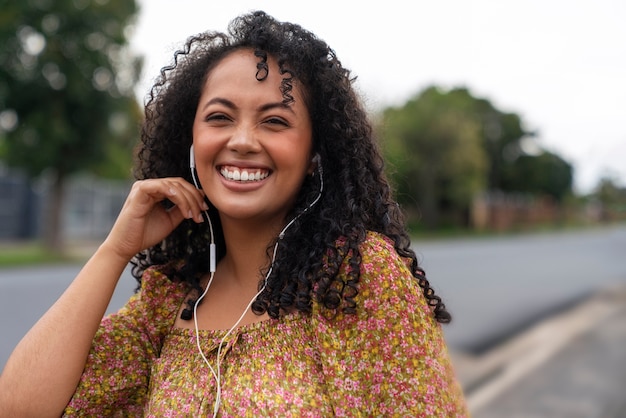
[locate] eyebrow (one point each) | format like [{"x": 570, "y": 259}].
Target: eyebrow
[{"x": 263, "y": 108}]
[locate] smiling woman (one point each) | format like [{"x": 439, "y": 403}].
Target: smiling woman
[
  {"x": 276, "y": 275},
  {"x": 244, "y": 129}
]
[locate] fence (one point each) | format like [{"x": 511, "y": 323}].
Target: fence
[
  {"x": 501, "y": 211},
  {"x": 19, "y": 208},
  {"x": 91, "y": 206}
]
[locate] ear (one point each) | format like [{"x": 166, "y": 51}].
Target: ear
[{"x": 315, "y": 161}]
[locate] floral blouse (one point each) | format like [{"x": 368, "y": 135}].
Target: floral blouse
[{"x": 388, "y": 359}]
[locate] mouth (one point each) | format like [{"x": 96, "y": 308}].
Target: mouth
[{"x": 243, "y": 175}]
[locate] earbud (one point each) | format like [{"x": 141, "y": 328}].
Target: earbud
[
  {"x": 192, "y": 158},
  {"x": 318, "y": 163},
  {"x": 212, "y": 255},
  {"x": 317, "y": 159}
]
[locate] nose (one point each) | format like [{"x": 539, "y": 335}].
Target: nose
[{"x": 244, "y": 140}]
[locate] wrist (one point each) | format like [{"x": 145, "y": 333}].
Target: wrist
[{"x": 112, "y": 255}]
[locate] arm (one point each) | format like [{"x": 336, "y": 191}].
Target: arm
[
  {"x": 390, "y": 358},
  {"x": 116, "y": 375},
  {"x": 50, "y": 358}
]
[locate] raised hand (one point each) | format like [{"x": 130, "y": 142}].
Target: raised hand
[{"x": 144, "y": 221}]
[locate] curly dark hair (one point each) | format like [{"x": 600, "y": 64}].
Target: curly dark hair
[{"x": 357, "y": 197}]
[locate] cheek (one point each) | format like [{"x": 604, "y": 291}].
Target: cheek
[
  {"x": 298, "y": 160},
  {"x": 205, "y": 152},
  {"x": 205, "y": 145}
]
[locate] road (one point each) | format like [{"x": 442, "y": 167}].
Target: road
[
  {"x": 492, "y": 286},
  {"x": 496, "y": 286},
  {"x": 26, "y": 293}
]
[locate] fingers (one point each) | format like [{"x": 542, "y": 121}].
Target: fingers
[
  {"x": 144, "y": 222},
  {"x": 188, "y": 201}
]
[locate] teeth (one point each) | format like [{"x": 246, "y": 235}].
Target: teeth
[{"x": 243, "y": 175}]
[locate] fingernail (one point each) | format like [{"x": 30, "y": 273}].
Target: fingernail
[
  {"x": 190, "y": 215},
  {"x": 205, "y": 206}
]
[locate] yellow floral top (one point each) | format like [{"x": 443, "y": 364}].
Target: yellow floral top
[{"x": 388, "y": 359}]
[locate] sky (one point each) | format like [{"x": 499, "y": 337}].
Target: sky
[{"x": 559, "y": 64}]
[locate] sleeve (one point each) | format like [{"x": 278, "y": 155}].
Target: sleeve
[
  {"x": 116, "y": 375},
  {"x": 390, "y": 358}
]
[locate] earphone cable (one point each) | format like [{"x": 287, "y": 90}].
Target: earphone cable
[{"x": 217, "y": 374}]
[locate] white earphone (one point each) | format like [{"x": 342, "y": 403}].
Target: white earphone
[
  {"x": 212, "y": 255},
  {"x": 212, "y": 265}
]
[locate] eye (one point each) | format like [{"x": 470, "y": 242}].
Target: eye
[
  {"x": 277, "y": 121},
  {"x": 217, "y": 118}
]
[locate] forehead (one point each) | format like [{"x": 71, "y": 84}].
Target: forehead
[{"x": 239, "y": 70}]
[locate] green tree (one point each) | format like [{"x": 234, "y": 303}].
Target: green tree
[
  {"x": 516, "y": 162},
  {"x": 611, "y": 197},
  {"x": 446, "y": 146},
  {"x": 502, "y": 134},
  {"x": 544, "y": 174},
  {"x": 66, "y": 89},
  {"x": 434, "y": 148}
]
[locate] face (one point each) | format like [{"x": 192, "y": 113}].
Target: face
[{"x": 252, "y": 151}]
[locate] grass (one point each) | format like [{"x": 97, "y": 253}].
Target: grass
[
  {"x": 417, "y": 230},
  {"x": 34, "y": 253},
  {"x": 28, "y": 254}
]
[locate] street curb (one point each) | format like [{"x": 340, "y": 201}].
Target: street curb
[{"x": 485, "y": 376}]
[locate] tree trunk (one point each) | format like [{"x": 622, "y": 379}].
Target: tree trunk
[{"x": 53, "y": 227}]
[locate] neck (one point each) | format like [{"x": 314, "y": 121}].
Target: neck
[{"x": 246, "y": 250}]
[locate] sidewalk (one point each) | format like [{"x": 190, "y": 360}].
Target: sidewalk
[{"x": 570, "y": 365}]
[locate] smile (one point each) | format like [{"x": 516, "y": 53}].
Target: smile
[{"x": 243, "y": 174}]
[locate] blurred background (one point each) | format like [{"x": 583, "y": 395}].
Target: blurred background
[{"x": 502, "y": 123}]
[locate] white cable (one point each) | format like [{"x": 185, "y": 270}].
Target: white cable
[
  {"x": 217, "y": 375},
  {"x": 192, "y": 165}
]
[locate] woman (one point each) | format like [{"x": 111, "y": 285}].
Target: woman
[{"x": 276, "y": 274}]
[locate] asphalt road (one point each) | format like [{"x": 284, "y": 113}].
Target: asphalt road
[
  {"x": 497, "y": 286},
  {"x": 493, "y": 287},
  {"x": 26, "y": 294},
  {"x": 576, "y": 369}
]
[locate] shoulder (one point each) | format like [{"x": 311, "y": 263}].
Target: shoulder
[
  {"x": 378, "y": 248},
  {"x": 159, "y": 297},
  {"x": 383, "y": 270},
  {"x": 157, "y": 284},
  {"x": 386, "y": 285},
  {"x": 388, "y": 288},
  {"x": 376, "y": 252}
]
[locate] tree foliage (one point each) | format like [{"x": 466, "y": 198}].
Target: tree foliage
[
  {"x": 544, "y": 174},
  {"x": 434, "y": 148},
  {"x": 445, "y": 147},
  {"x": 66, "y": 85}
]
